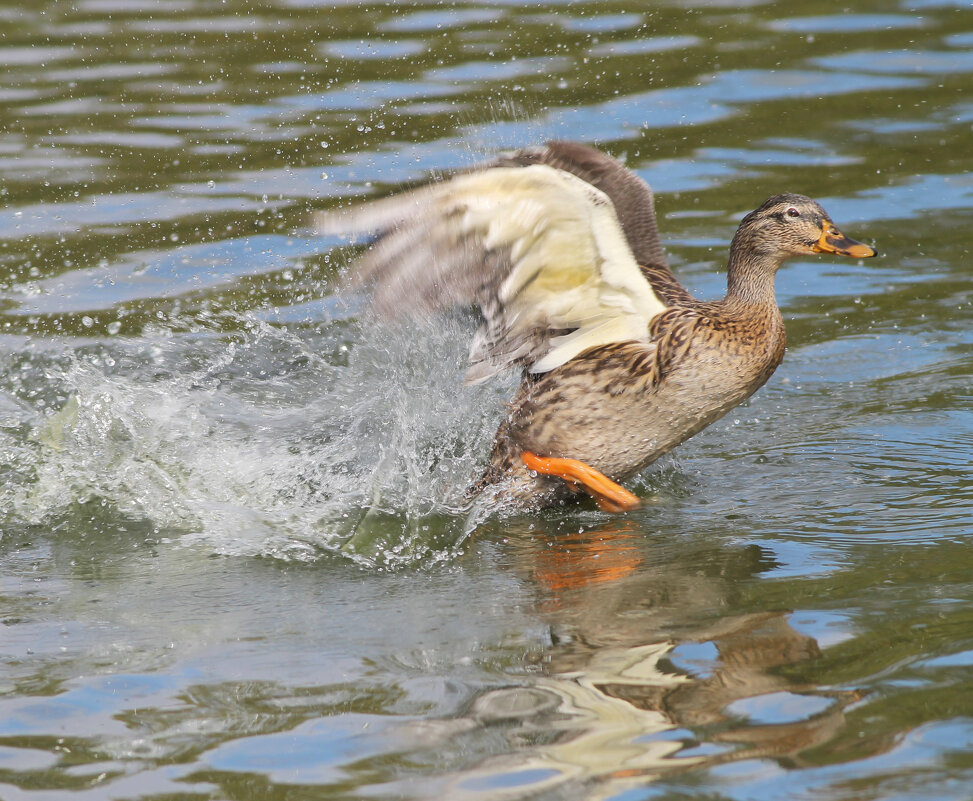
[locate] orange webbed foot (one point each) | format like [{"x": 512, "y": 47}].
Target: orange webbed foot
[{"x": 609, "y": 496}]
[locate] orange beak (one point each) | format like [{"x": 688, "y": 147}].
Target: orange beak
[{"x": 833, "y": 241}]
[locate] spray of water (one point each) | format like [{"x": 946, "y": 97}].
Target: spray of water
[{"x": 352, "y": 438}]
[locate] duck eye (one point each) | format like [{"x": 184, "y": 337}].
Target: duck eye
[{"x": 792, "y": 212}]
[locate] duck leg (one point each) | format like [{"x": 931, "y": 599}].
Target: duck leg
[{"x": 609, "y": 496}]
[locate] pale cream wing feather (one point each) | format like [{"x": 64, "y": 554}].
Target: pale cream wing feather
[{"x": 541, "y": 251}]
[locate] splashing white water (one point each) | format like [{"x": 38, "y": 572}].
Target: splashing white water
[{"x": 264, "y": 442}]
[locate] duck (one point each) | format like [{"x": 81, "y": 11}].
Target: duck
[{"x": 558, "y": 248}]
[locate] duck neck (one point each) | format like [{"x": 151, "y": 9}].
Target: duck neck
[{"x": 750, "y": 277}]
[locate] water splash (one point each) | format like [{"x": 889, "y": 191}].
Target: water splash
[{"x": 264, "y": 441}]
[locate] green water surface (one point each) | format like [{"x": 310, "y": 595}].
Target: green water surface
[{"x": 235, "y": 557}]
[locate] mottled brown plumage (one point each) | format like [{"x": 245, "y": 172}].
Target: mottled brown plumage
[{"x": 612, "y": 377}]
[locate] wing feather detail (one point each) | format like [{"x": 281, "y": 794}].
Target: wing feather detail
[{"x": 540, "y": 251}]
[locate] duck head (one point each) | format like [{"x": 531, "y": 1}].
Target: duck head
[{"x": 794, "y": 225}]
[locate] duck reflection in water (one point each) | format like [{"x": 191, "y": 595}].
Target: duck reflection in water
[{"x": 645, "y": 667}]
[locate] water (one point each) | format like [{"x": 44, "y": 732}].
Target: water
[{"x": 236, "y": 559}]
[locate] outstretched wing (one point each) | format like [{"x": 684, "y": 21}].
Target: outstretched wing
[
  {"x": 541, "y": 252},
  {"x": 633, "y": 200}
]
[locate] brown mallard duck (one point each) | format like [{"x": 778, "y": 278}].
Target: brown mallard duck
[{"x": 559, "y": 248}]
